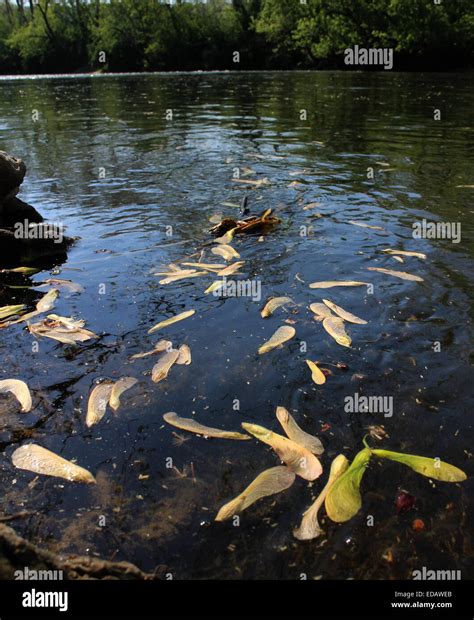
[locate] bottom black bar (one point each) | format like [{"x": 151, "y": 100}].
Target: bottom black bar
[{"x": 312, "y": 599}]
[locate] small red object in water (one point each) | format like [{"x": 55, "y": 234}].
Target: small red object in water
[
  {"x": 342, "y": 365},
  {"x": 418, "y": 525},
  {"x": 325, "y": 427},
  {"x": 404, "y": 502},
  {"x": 326, "y": 372}
]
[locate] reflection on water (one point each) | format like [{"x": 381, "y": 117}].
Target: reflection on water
[{"x": 136, "y": 166}]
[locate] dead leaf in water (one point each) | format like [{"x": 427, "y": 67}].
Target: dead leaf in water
[
  {"x": 363, "y": 225},
  {"x": 273, "y": 304},
  {"x": 321, "y": 311},
  {"x": 405, "y": 253},
  {"x": 46, "y": 303},
  {"x": 6, "y": 311},
  {"x": 310, "y": 527},
  {"x": 295, "y": 433},
  {"x": 215, "y": 286},
  {"x": 184, "y": 356},
  {"x": 98, "y": 401},
  {"x": 39, "y": 460},
  {"x": 296, "y": 457},
  {"x": 397, "y": 274},
  {"x": 188, "y": 424},
  {"x": 282, "y": 334},
  {"x": 173, "y": 319},
  {"x": 335, "y": 328},
  {"x": 226, "y": 251},
  {"x": 230, "y": 269},
  {"x": 206, "y": 266},
  {"x": 333, "y": 283},
  {"x": 26, "y": 271},
  {"x": 227, "y": 237},
  {"x": 316, "y": 374},
  {"x": 119, "y": 387},
  {"x": 69, "y": 285},
  {"x": 162, "y": 345},
  {"x": 62, "y": 329},
  {"x": 347, "y": 316},
  {"x": 20, "y": 391},
  {"x": 269, "y": 482},
  {"x": 255, "y": 183},
  {"x": 161, "y": 369},
  {"x": 177, "y": 277}
]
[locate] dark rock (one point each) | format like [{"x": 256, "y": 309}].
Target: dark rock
[
  {"x": 15, "y": 210},
  {"x": 17, "y": 251},
  {"x": 24, "y": 236},
  {"x": 12, "y": 173}
]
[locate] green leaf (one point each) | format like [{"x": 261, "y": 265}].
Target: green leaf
[
  {"x": 343, "y": 500},
  {"x": 430, "y": 467}
]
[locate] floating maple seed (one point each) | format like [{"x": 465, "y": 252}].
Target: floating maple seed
[
  {"x": 404, "y": 502},
  {"x": 20, "y": 391},
  {"x": 397, "y": 274},
  {"x": 269, "y": 482}
]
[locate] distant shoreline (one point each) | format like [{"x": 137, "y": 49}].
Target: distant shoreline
[{"x": 102, "y": 74}]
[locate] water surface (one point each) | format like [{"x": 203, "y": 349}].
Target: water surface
[{"x": 138, "y": 187}]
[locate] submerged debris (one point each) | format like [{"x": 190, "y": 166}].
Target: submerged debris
[
  {"x": 188, "y": 424},
  {"x": 252, "y": 224}
]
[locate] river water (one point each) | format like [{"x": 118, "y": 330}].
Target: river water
[{"x": 135, "y": 166}]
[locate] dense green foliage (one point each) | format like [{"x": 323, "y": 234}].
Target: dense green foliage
[{"x": 124, "y": 35}]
